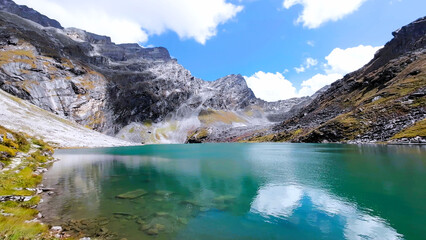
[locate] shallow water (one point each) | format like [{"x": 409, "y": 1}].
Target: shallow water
[{"x": 244, "y": 191}]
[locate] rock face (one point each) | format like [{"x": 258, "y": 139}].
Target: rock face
[
  {"x": 28, "y": 13},
  {"x": 383, "y": 101},
  {"x": 138, "y": 94},
  {"x": 21, "y": 116}
]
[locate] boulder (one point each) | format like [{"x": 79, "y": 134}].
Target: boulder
[{"x": 132, "y": 194}]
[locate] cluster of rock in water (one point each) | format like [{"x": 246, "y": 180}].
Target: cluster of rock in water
[{"x": 150, "y": 222}]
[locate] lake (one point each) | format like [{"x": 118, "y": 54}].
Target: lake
[{"x": 240, "y": 191}]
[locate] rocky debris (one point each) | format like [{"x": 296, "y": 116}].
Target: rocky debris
[
  {"x": 89, "y": 227},
  {"x": 15, "y": 198},
  {"x": 414, "y": 140}
]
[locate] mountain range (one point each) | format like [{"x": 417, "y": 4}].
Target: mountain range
[{"x": 142, "y": 95}]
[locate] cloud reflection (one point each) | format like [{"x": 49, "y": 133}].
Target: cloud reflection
[{"x": 285, "y": 201}]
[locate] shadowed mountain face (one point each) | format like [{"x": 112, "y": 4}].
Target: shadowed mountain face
[
  {"x": 28, "y": 13},
  {"x": 139, "y": 94},
  {"x": 383, "y": 101}
]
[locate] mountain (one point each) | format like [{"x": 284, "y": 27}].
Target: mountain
[
  {"x": 124, "y": 90},
  {"x": 28, "y": 13},
  {"x": 21, "y": 116},
  {"x": 142, "y": 95},
  {"x": 384, "y": 101}
]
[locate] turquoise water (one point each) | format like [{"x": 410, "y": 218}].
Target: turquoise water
[{"x": 243, "y": 191}]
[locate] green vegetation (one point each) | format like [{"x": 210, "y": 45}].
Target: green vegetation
[
  {"x": 418, "y": 129},
  {"x": 284, "y": 136},
  {"x": 16, "y": 216},
  {"x": 147, "y": 123},
  {"x": 211, "y": 116},
  {"x": 164, "y": 131},
  {"x": 14, "y": 226}
]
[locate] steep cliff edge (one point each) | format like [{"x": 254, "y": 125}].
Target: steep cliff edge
[
  {"x": 135, "y": 93},
  {"x": 383, "y": 101}
]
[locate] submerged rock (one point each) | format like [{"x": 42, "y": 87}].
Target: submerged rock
[
  {"x": 162, "y": 214},
  {"x": 152, "y": 231},
  {"x": 192, "y": 203},
  {"x": 132, "y": 194},
  {"x": 224, "y": 199},
  {"x": 183, "y": 221}
]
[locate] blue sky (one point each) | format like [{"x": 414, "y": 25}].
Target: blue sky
[
  {"x": 264, "y": 37},
  {"x": 260, "y": 39}
]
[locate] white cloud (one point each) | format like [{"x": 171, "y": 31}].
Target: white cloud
[
  {"x": 300, "y": 69},
  {"x": 135, "y": 21},
  {"x": 339, "y": 63},
  {"x": 316, "y": 82},
  {"x": 309, "y": 62},
  {"x": 271, "y": 86},
  {"x": 350, "y": 59},
  {"x": 317, "y": 12},
  {"x": 310, "y": 43}
]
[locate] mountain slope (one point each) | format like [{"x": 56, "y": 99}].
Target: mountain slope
[
  {"x": 28, "y": 13},
  {"x": 375, "y": 103},
  {"x": 138, "y": 94},
  {"x": 21, "y": 116}
]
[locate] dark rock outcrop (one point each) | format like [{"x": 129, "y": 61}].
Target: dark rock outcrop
[{"x": 28, "y": 13}]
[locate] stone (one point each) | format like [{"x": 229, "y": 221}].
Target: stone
[
  {"x": 224, "y": 199},
  {"x": 132, "y": 194},
  {"x": 183, "y": 221},
  {"x": 159, "y": 227},
  {"x": 10, "y": 136},
  {"x": 152, "y": 231},
  {"x": 191, "y": 202},
  {"x": 56, "y": 228},
  {"x": 162, "y": 214},
  {"x": 145, "y": 227},
  {"x": 140, "y": 221}
]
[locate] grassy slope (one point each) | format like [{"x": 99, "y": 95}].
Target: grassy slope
[{"x": 35, "y": 153}]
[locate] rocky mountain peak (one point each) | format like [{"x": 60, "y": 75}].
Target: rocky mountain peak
[
  {"x": 409, "y": 38},
  {"x": 139, "y": 94},
  {"x": 28, "y": 13}
]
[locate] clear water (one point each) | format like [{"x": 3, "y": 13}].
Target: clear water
[{"x": 245, "y": 191}]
